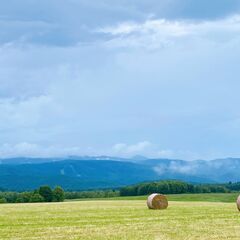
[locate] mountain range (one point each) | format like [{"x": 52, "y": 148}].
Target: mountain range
[{"x": 86, "y": 173}]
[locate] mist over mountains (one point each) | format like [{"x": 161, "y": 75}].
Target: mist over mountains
[{"x": 85, "y": 173}]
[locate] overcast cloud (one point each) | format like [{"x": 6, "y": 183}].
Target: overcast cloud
[{"x": 126, "y": 78}]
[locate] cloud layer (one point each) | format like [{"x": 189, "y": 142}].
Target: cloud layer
[{"x": 124, "y": 79}]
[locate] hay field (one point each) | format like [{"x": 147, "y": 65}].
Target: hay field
[{"x": 124, "y": 219}]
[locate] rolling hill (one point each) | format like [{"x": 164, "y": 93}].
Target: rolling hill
[{"x": 75, "y": 173}]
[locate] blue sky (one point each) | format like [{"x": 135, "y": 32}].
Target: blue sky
[{"x": 122, "y": 78}]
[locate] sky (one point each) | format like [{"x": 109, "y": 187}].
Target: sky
[{"x": 121, "y": 78}]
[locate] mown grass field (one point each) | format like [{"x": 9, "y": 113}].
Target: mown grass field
[
  {"x": 120, "y": 219},
  {"x": 208, "y": 197}
]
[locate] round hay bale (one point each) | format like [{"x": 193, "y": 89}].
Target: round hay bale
[
  {"x": 238, "y": 203},
  {"x": 157, "y": 201}
]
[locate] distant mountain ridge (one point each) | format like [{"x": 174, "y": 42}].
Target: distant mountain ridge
[
  {"x": 84, "y": 173},
  {"x": 28, "y": 160}
]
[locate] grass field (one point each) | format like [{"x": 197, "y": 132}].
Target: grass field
[
  {"x": 120, "y": 219},
  {"x": 123, "y": 219},
  {"x": 208, "y": 197}
]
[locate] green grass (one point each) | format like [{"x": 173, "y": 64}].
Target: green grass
[
  {"x": 208, "y": 197},
  {"x": 120, "y": 220}
]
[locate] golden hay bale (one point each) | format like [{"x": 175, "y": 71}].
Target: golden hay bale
[
  {"x": 238, "y": 203},
  {"x": 157, "y": 201}
]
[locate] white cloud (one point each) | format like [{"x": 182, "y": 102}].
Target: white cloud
[
  {"x": 130, "y": 150},
  {"x": 144, "y": 148},
  {"x": 139, "y": 147},
  {"x": 168, "y": 28},
  {"x": 25, "y": 149},
  {"x": 165, "y": 153},
  {"x": 177, "y": 167},
  {"x": 161, "y": 32}
]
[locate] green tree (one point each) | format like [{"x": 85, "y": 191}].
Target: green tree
[
  {"x": 19, "y": 200},
  {"x": 36, "y": 197},
  {"x": 46, "y": 193},
  {"x": 3, "y": 200},
  {"x": 58, "y": 194},
  {"x": 26, "y": 196}
]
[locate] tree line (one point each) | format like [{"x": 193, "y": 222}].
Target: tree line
[
  {"x": 165, "y": 187},
  {"x": 46, "y": 194},
  {"x": 42, "y": 194},
  {"x": 233, "y": 186},
  {"x": 176, "y": 187}
]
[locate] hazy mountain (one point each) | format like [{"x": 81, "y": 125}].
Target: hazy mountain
[
  {"x": 219, "y": 170},
  {"x": 80, "y": 173},
  {"x": 74, "y": 174}
]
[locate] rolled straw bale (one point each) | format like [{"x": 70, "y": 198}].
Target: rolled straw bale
[
  {"x": 157, "y": 201},
  {"x": 238, "y": 203}
]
